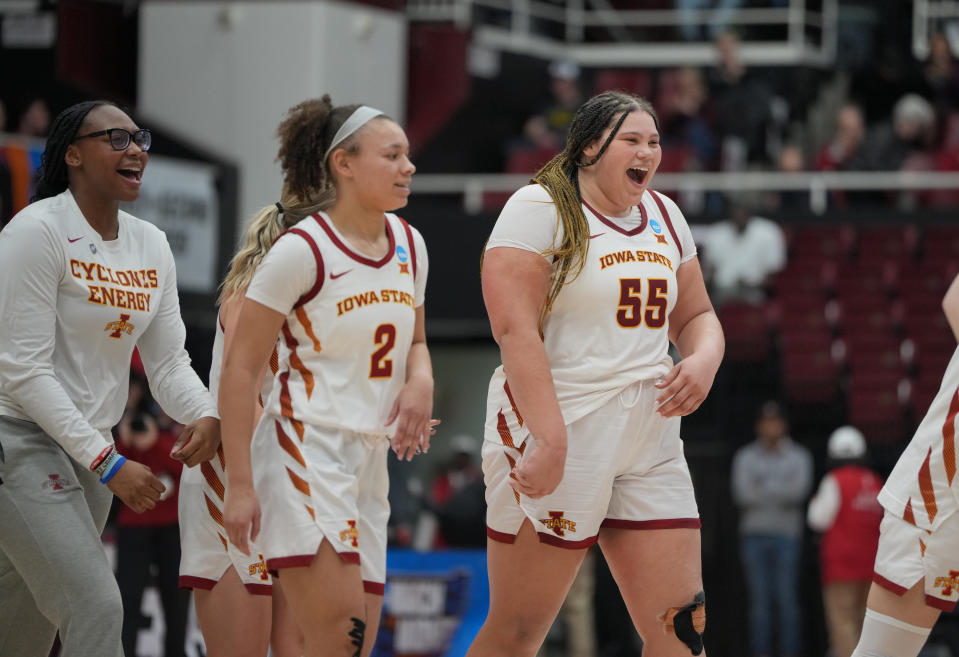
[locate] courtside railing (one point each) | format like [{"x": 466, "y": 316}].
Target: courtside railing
[
  {"x": 568, "y": 31},
  {"x": 472, "y": 187}
]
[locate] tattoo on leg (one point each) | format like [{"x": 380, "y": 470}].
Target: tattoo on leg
[{"x": 356, "y": 634}]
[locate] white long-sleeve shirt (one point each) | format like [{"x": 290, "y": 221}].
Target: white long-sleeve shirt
[
  {"x": 824, "y": 506},
  {"x": 72, "y": 308}
]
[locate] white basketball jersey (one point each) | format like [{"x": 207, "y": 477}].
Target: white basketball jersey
[
  {"x": 343, "y": 348},
  {"x": 922, "y": 488},
  {"x": 216, "y": 365},
  {"x": 609, "y": 326}
]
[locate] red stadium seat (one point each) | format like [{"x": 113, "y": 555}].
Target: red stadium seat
[
  {"x": 746, "y": 329},
  {"x": 929, "y": 279},
  {"x": 801, "y": 312},
  {"x": 866, "y": 312},
  {"x": 823, "y": 241},
  {"x": 883, "y": 243},
  {"x": 811, "y": 377},
  {"x": 876, "y": 278},
  {"x": 878, "y": 413},
  {"x": 940, "y": 243},
  {"x": 809, "y": 275}
]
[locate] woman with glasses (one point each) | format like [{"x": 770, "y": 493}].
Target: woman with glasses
[
  {"x": 81, "y": 284},
  {"x": 339, "y": 296}
]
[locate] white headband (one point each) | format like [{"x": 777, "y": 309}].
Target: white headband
[{"x": 360, "y": 116}]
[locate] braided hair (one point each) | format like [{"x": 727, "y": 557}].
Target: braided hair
[
  {"x": 560, "y": 178},
  {"x": 308, "y": 186},
  {"x": 52, "y": 175}
]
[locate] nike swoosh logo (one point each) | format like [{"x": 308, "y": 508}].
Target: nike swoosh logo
[
  {"x": 74, "y": 239},
  {"x": 342, "y": 273},
  {"x": 596, "y": 235}
]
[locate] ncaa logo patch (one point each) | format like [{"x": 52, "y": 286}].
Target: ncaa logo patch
[
  {"x": 403, "y": 258},
  {"x": 655, "y": 226}
]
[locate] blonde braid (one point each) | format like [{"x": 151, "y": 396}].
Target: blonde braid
[{"x": 569, "y": 255}]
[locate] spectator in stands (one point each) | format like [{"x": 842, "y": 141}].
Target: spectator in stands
[
  {"x": 844, "y": 147},
  {"x": 791, "y": 159},
  {"x": 771, "y": 478},
  {"x": 890, "y": 145},
  {"x": 35, "y": 119},
  {"x": 741, "y": 254},
  {"x": 845, "y": 510},
  {"x": 151, "y": 539},
  {"x": 547, "y": 127},
  {"x": 682, "y": 95},
  {"x": 846, "y": 141},
  {"x": 740, "y": 105},
  {"x": 941, "y": 73}
]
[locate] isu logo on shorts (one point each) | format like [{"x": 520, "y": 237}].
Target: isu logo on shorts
[
  {"x": 56, "y": 482},
  {"x": 350, "y": 535},
  {"x": 558, "y": 523},
  {"x": 259, "y": 568},
  {"x": 948, "y": 584},
  {"x": 120, "y": 326}
]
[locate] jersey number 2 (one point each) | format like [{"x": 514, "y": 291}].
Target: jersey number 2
[
  {"x": 631, "y": 314},
  {"x": 381, "y": 367}
]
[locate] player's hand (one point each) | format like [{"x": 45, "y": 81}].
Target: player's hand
[
  {"x": 685, "y": 387},
  {"x": 241, "y": 515},
  {"x": 425, "y": 438},
  {"x": 411, "y": 413},
  {"x": 136, "y": 486},
  {"x": 197, "y": 442},
  {"x": 539, "y": 471}
]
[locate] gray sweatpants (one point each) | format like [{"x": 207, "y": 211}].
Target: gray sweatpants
[{"x": 54, "y": 574}]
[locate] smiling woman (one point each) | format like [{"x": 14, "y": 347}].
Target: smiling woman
[
  {"x": 331, "y": 315},
  {"x": 587, "y": 277},
  {"x": 81, "y": 284}
]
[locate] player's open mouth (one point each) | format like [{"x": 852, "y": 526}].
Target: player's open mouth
[
  {"x": 133, "y": 175},
  {"x": 637, "y": 174}
]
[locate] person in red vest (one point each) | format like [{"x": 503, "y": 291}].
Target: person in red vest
[{"x": 846, "y": 511}]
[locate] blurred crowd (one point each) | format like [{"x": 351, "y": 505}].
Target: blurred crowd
[
  {"x": 30, "y": 119},
  {"x": 730, "y": 117}
]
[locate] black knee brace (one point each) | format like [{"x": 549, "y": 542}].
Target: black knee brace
[
  {"x": 356, "y": 635},
  {"x": 688, "y": 622}
]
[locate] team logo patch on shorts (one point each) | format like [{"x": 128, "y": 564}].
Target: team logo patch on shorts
[
  {"x": 259, "y": 568},
  {"x": 350, "y": 535},
  {"x": 558, "y": 524},
  {"x": 949, "y": 584},
  {"x": 55, "y": 482}
]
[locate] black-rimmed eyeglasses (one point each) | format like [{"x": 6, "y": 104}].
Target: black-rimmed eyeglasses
[{"x": 120, "y": 138}]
